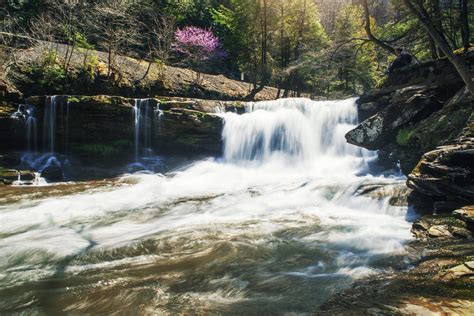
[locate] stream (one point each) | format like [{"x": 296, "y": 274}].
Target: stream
[{"x": 273, "y": 226}]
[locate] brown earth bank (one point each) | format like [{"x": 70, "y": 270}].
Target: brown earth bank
[{"x": 129, "y": 77}]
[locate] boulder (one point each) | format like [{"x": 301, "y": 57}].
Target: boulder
[
  {"x": 446, "y": 175},
  {"x": 408, "y": 106},
  {"x": 440, "y": 227},
  {"x": 466, "y": 214},
  {"x": 8, "y": 176},
  {"x": 463, "y": 270},
  {"x": 438, "y": 231}
]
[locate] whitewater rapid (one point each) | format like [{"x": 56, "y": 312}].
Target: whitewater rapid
[{"x": 275, "y": 225}]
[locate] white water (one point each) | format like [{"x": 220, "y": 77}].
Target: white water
[
  {"x": 281, "y": 200},
  {"x": 147, "y": 119}
]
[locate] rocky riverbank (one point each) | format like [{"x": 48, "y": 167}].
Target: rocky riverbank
[{"x": 423, "y": 119}]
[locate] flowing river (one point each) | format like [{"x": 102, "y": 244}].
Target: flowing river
[{"x": 273, "y": 226}]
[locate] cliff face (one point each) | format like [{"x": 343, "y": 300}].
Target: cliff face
[
  {"x": 107, "y": 125},
  {"x": 423, "y": 118}
]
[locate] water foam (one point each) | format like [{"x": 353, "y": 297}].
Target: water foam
[{"x": 285, "y": 186}]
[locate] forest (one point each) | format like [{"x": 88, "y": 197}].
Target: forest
[
  {"x": 236, "y": 157},
  {"x": 323, "y": 48}
]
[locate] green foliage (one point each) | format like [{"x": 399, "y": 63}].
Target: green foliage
[
  {"x": 48, "y": 71},
  {"x": 404, "y": 135},
  {"x": 89, "y": 69},
  {"x": 73, "y": 100},
  {"x": 311, "y": 46}
]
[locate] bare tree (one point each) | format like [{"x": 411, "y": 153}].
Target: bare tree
[
  {"x": 117, "y": 30},
  {"x": 368, "y": 30},
  {"x": 464, "y": 18},
  {"x": 159, "y": 38},
  {"x": 421, "y": 14}
]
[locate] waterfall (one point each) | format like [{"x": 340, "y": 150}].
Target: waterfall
[
  {"x": 147, "y": 118},
  {"x": 49, "y": 127},
  {"x": 285, "y": 203},
  {"x": 305, "y": 131},
  {"x": 31, "y": 129}
]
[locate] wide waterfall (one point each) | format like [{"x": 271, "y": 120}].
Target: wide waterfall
[
  {"x": 303, "y": 130},
  {"x": 276, "y": 225}
]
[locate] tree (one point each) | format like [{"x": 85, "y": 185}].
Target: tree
[
  {"x": 115, "y": 30},
  {"x": 368, "y": 30},
  {"x": 159, "y": 38},
  {"x": 197, "y": 45},
  {"x": 437, "y": 37}
]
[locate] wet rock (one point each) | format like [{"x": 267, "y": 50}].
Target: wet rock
[
  {"x": 53, "y": 173},
  {"x": 104, "y": 126},
  {"x": 8, "y": 176},
  {"x": 408, "y": 106},
  {"x": 447, "y": 174},
  {"x": 190, "y": 130},
  {"x": 434, "y": 226},
  {"x": 397, "y": 193},
  {"x": 27, "y": 175},
  {"x": 466, "y": 214},
  {"x": 438, "y": 231},
  {"x": 461, "y": 232},
  {"x": 462, "y": 270}
]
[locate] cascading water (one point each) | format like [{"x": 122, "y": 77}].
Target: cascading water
[
  {"x": 48, "y": 158},
  {"x": 147, "y": 119},
  {"x": 274, "y": 227},
  {"x": 303, "y": 130},
  {"x": 31, "y": 129},
  {"x": 50, "y": 123}
]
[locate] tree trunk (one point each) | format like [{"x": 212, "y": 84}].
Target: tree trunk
[
  {"x": 441, "y": 42},
  {"x": 371, "y": 36},
  {"x": 147, "y": 71},
  {"x": 465, "y": 32}
]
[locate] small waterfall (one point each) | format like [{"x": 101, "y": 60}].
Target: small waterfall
[
  {"x": 299, "y": 128},
  {"x": 31, "y": 129},
  {"x": 49, "y": 127},
  {"x": 147, "y": 119}
]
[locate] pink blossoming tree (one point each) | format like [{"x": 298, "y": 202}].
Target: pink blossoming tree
[{"x": 197, "y": 45}]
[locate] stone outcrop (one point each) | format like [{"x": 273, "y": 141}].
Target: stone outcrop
[
  {"x": 466, "y": 214},
  {"x": 441, "y": 226},
  {"x": 423, "y": 119},
  {"x": 447, "y": 175},
  {"x": 409, "y": 105},
  {"x": 416, "y": 110},
  {"x": 104, "y": 125}
]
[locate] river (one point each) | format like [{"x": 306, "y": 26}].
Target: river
[{"x": 273, "y": 226}]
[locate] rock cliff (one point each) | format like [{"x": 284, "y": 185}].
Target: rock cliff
[{"x": 423, "y": 118}]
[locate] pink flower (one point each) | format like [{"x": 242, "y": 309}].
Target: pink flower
[{"x": 197, "y": 44}]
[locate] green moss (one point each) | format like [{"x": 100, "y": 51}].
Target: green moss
[
  {"x": 404, "y": 135},
  {"x": 104, "y": 150},
  {"x": 73, "y": 100}
]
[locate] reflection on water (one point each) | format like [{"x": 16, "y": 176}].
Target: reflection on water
[{"x": 271, "y": 228}]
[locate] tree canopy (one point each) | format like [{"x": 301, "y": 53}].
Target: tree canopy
[{"x": 320, "y": 47}]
